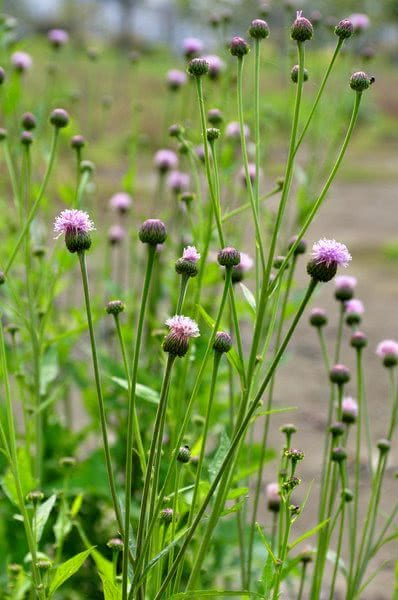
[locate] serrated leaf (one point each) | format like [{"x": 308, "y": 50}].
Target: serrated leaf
[
  {"x": 42, "y": 515},
  {"x": 250, "y": 299},
  {"x": 67, "y": 569}
]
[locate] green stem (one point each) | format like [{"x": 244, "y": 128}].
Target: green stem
[
  {"x": 153, "y": 461},
  {"x": 339, "y": 334},
  {"x": 325, "y": 189},
  {"x": 36, "y": 203},
  {"x": 243, "y": 207},
  {"x": 98, "y": 386},
  {"x": 237, "y": 438},
  {"x": 252, "y": 198},
  {"x": 302, "y": 580},
  {"x": 319, "y": 94},
  {"x": 132, "y": 415}
]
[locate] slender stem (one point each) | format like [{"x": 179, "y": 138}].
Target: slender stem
[
  {"x": 153, "y": 459},
  {"x": 302, "y": 580},
  {"x": 317, "y": 204},
  {"x": 253, "y": 200},
  {"x": 187, "y": 416},
  {"x": 243, "y": 207},
  {"x": 183, "y": 291},
  {"x": 237, "y": 437},
  {"x": 339, "y": 334},
  {"x": 339, "y": 541},
  {"x": 140, "y": 447},
  {"x": 36, "y": 203},
  {"x": 98, "y": 386},
  {"x": 319, "y": 94},
  {"x": 132, "y": 415}
]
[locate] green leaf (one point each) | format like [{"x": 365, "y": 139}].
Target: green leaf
[
  {"x": 217, "y": 460},
  {"x": 266, "y": 544},
  {"x": 67, "y": 569},
  {"x": 142, "y": 392},
  {"x": 234, "y": 508},
  {"x": 194, "y": 594},
  {"x": 250, "y": 299},
  {"x": 267, "y": 575},
  {"x": 42, "y": 515},
  {"x": 76, "y": 506},
  {"x": 27, "y": 480},
  {"x": 111, "y": 590},
  {"x": 49, "y": 369},
  {"x": 274, "y": 411},
  {"x": 308, "y": 534},
  {"x": 237, "y": 492}
]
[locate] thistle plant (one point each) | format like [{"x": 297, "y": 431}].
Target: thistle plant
[{"x": 137, "y": 441}]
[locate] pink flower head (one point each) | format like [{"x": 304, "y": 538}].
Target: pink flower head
[
  {"x": 232, "y": 131},
  {"x": 165, "y": 160},
  {"x": 360, "y": 22},
  {"x": 387, "y": 348},
  {"x": 349, "y": 408},
  {"x": 121, "y": 202},
  {"x": 354, "y": 306},
  {"x": 200, "y": 152},
  {"x": 58, "y": 37},
  {"x": 178, "y": 182},
  {"x": 245, "y": 264},
  {"x": 346, "y": 282},
  {"x": 183, "y": 327},
  {"x": 72, "y": 221},
  {"x": 190, "y": 253},
  {"x": 192, "y": 47},
  {"x": 216, "y": 66},
  {"x": 273, "y": 497},
  {"x": 22, "y": 61},
  {"x": 176, "y": 79},
  {"x": 252, "y": 173},
  {"x": 330, "y": 252},
  {"x": 116, "y": 234}
]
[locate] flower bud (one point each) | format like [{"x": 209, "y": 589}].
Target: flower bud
[
  {"x": 302, "y": 29},
  {"x": 28, "y": 121},
  {"x": 43, "y": 564},
  {"x": 222, "y": 342},
  {"x": 273, "y": 497},
  {"x": 294, "y": 454},
  {"x": 360, "y": 81},
  {"x": 152, "y": 232},
  {"x": 187, "y": 197},
  {"x": 278, "y": 262},
  {"x": 26, "y": 138},
  {"x": 291, "y": 483},
  {"x": 339, "y": 374},
  {"x": 176, "y": 130},
  {"x": 3, "y": 134},
  {"x": 228, "y": 257},
  {"x": 289, "y": 429},
  {"x": 301, "y": 247},
  {"x": 337, "y": 429},
  {"x": 87, "y": 166},
  {"x": 67, "y": 462},
  {"x": 212, "y": 133},
  {"x": 384, "y": 445},
  {"x": 294, "y": 74},
  {"x": 197, "y": 67},
  {"x": 318, "y": 317},
  {"x": 115, "y": 544},
  {"x": 306, "y": 556},
  {"x": 338, "y": 454},
  {"x": 77, "y": 142},
  {"x": 59, "y": 118},
  {"x": 184, "y": 454},
  {"x": 35, "y": 497},
  {"x": 347, "y": 495},
  {"x": 166, "y": 516},
  {"x": 349, "y": 411},
  {"x": 238, "y": 47},
  {"x": 186, "y": 267},
  {"x": 215, "y": 116},
  {"x": 259, "y": 29},
  {"x": 344, "y": 29},
  {"x": 358, "y": 340},
  {"x": 115, "y": 307},
  {"x": 2, "y": 75}
]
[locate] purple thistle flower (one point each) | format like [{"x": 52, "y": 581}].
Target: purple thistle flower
[
  {"x": 360, "y": 22},
  {"x": 73, "y": 221},
  {"x": 178, "y": 182},
  {"x": 387, "y": 350},
  {"x": 216, "y": 66},
  {"x": 349, "y": 410},
  {"x": 185, "y": 327},
  {"x": 354, "y": 306},
  {"x": 232, "y": 131},
  {"x": 190, "y": 253},
  {"x": 329, "y": 252},
  {"x": 121, "y": 202},
  {"x": 192, "y": 47},
  {"x": 345, "y": 281},
  {"x": 116, "y": 234},
  {"x": 176, "y": 79},
  {"x": 76, "y": 226},
  {"x": 318, "y": 317},
  {"x": 273, "y": 497},
  {"x": 166, "y": 160},
  {"x": 21, "y": 61},
  {"x": 58, "y": 37}
]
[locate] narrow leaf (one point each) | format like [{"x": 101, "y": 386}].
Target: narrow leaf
[
  {"x": 249, "y": 297},
  {"x": 266, "y": 543},
  {"x": 67, "y": 569},
  {"x": 42, "y": 515}
]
